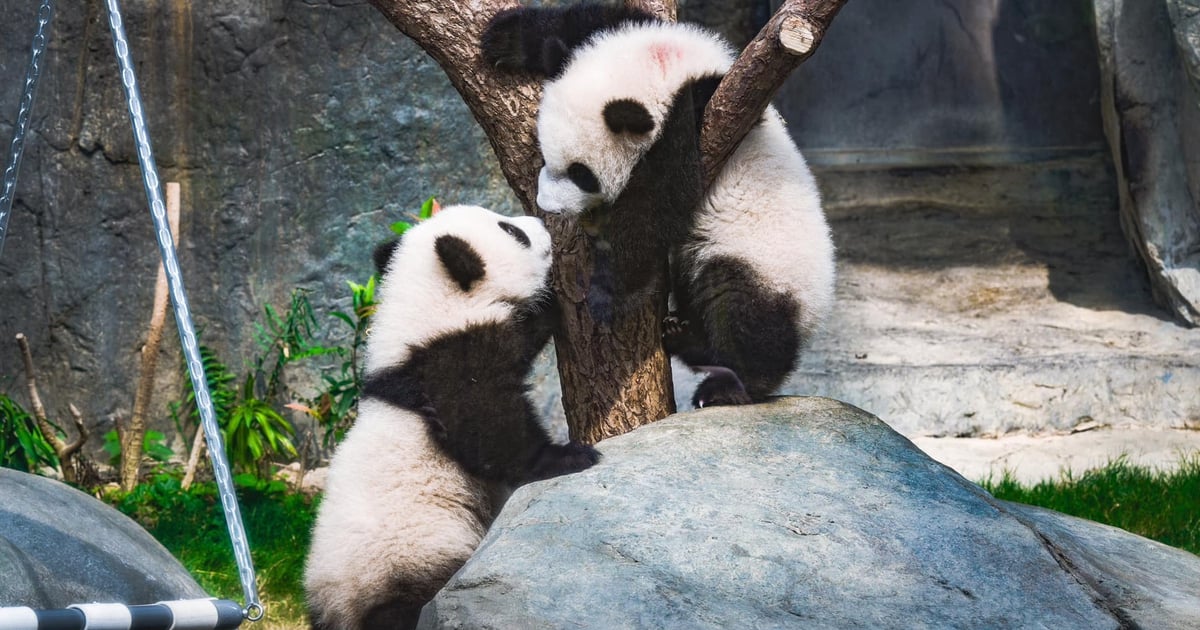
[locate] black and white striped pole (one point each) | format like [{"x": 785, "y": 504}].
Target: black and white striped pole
[{"x": 188, "y": 614}]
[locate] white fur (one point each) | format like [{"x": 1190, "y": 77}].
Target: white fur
[
  {"x": 646, "y": 63},
  {"x": 395, "y": 505},
  {"x": 393, "y": 502},
  {"x": 764, "y": 206},
  {"x": 424, "y": 304}
]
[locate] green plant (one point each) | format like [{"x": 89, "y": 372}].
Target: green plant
[
  {"x": 429, "y": 208},
  {"x": 22, "y": 445},
  {"x": 218, "y": 377},
  {"x": 333, "y": 407},
  {"x": 253, "y": 431},
  {"x": 154, "y": 446},
  {"x": 190, "y": 524},
  {"x": 1163, "y": 505},
  {"x": 284, "y": 339}
]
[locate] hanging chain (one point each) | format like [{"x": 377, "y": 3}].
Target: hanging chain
[
  {"x": 216, "y": 450},
  {"x": 45, "y": 12}
]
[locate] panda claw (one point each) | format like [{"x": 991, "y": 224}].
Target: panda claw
[{"x": 673, "y": 326}]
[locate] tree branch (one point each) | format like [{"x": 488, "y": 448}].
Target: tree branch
[
  {"x": 67, "y": 453},
  {"x": 612, "y": 379},
  {"x": 789, "y": 38},
  {"x": 661, "y": 9},
  {"x": 133, "y": 437}
]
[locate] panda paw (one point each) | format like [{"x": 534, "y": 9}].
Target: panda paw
[
  {"x": 675, "y": 334},
  {"x": 673, "y": 326},
  {"x": 722, "y": 387},
  {"x": 563, "y": 459}
]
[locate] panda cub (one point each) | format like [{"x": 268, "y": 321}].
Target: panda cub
[
  {"x": 444, "y": 428},
  {"x": 618, "y": 125}
]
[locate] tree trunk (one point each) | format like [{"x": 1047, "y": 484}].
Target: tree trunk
[
  {"x": 613, "y": 378},
  {"x": 134, "y": 435}
]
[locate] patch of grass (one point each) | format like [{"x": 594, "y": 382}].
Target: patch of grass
[
  {"x": 1162, "y": 505},
  {"x": 191, "y": 525}
]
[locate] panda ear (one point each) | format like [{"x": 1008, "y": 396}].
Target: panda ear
[
  {"x": 628, "y": 115},
  {"x": 461, "y": 260},
  {"x": 383, "y": 255}
]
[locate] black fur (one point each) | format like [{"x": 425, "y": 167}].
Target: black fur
[
  {"x": 583, "y": 177},
  {"x": 733, "y": 321},
  {"x": 461, "y": 260},
  {"x": 383, "y": 255},
  {"x": 654, "y": 212},
  {"x": 470, "y": 387},
  {"x": 540, "y": 40},
  {"x": 517, "y": 233},
  {"x": 626, "y": 115}
]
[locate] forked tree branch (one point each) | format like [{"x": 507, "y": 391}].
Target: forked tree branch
[
  {"x": 506, "y": 106},
  {"x": 613, "y": 380},
  {"x": 67, "y": 452}
]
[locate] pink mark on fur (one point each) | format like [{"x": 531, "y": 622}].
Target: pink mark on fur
[{"x": 664, "y": 55}]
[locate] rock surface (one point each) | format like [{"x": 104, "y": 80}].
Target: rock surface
[
  {"x": 59, "y": 546},
  {"x": 1152, "y": 120},
  {"x": 804, "y": 512}
]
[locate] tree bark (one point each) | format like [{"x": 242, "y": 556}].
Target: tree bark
[
  {"x": 132, "y": 438},
  {"x": 613, "y": 378}
]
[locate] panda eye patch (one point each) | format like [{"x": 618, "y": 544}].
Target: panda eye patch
[
  {"x": 516, "y": 232},
  {"x": 583, "y": 177}
]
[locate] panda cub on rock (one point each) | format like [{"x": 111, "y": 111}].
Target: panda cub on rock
[
  {"x": 444, "y": 429},
  {"x": 618, "y": 125}
]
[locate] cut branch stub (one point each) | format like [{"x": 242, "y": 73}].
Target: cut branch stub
[{"x": 790, "y": 37}]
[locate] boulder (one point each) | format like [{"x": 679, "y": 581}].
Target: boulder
[
  {"x": 59, "y": 546},
  {"x": 1151, "y": 110},
  {"x": 803, "y": 512}
]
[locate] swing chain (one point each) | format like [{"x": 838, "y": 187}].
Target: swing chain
[
  {"x": 253, "y": 609},
  {"x": 45, "y": 12}
]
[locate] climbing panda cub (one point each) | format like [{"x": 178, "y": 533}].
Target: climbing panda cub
[
  {"x": 618, "y": 125},
  {"x": 444, "y": 428}
]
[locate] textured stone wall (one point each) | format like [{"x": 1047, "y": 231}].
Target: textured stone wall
[
  {"x": 299, "y": 131},
  {"x": 931, "y": 82}
]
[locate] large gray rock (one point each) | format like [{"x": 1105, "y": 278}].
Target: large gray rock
[
  {"x": 1152, "y": 120},
  {"x": 59, "y": 546},
  {"x": 804, "y": 512}
]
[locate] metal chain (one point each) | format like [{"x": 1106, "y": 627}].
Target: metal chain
[
  {"x": 45, "y": 12},
  {"x": 216, "y": 450}
]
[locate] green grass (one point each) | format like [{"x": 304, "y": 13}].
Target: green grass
[
  {"x": 191, "y": 525},
  {"x": 1162, "y": 505}
]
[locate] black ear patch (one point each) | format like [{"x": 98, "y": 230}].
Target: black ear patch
[
  {"x": 628, "y": 115},
  {"x": 460, "y": 259},
  {"x": 383, "y": 255}
]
